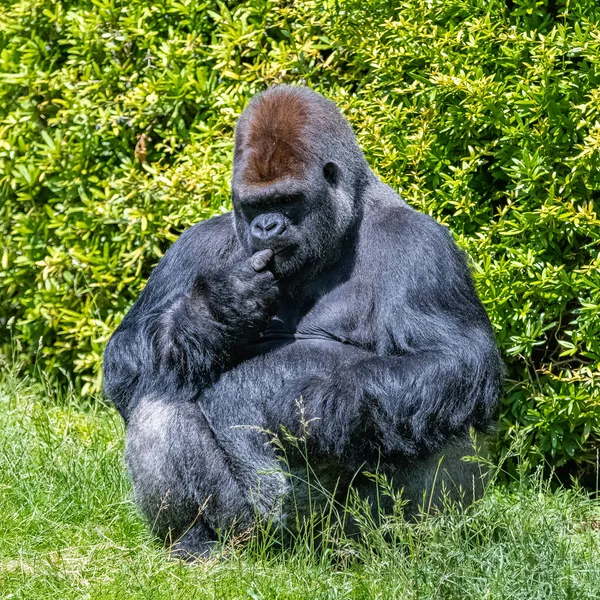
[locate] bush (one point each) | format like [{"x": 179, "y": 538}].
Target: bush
[{"x": 116, "y": 134}]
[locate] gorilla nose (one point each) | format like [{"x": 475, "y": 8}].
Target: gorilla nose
[{"x": 267, "y": 226}]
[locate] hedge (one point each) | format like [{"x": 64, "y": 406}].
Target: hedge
[{"x": 116, "y": 125}]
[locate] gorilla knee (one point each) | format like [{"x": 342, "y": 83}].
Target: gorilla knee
[
  {"x": 185, "y": 474},
  {"x": 157, "y": 442}
]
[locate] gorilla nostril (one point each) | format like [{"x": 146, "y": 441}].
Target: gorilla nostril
[{"x": 267, "y": 226}]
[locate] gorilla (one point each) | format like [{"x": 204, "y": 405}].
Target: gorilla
[{"x": 322, "y": 306}]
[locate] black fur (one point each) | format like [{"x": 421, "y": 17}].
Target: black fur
[{"x": 365, "y": 310}]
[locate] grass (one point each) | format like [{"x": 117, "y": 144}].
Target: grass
[{"x": 69, "y": 530}]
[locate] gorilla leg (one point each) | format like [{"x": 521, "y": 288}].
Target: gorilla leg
[
  {"x": 445, "y": 476},
  {"x": 191, "y": 479},
  {"x": 430, "y": 482}
]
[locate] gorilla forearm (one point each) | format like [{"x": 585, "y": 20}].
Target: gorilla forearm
[
  {"x": 355, "y": 404},
  {"x": 162, "y": 349},
  {"x": 420, "y": 402},
  {"x": 277, "y": 394},
  {"x": 191, "y": 338}
]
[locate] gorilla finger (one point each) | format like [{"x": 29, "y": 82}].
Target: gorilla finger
[
  {"x": 265, "y": 278},
  {"x": 260, "y": 260}
]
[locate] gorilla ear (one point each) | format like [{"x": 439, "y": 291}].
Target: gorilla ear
[{"x": 330, "y": 172}]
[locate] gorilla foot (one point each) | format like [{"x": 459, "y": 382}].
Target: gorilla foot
[{"x": 195, "y": 544}]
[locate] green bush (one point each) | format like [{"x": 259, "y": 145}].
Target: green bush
[{"x": 116, "y": 128}]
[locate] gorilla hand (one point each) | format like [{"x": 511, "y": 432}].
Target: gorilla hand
[
  {"x": 334, "y": 411},
  {"x": 242, "y": 298},
  {"x": 260, "y": 260}
]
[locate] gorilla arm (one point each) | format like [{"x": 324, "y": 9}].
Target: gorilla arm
[
  {"x": 418, "y": 403},
  {"x": 436, "y": 370},
  {"x": 196, "y": 306}
]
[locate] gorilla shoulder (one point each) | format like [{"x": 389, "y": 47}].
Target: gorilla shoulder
[
  {"x": 214, "y": 237},
  {"x": 405, "y": 235},
  {"x": 205, "y": 246},
  {"x": 211, "y": 242}
]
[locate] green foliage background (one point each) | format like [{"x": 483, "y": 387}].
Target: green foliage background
[{"x": 116, "y": 123}]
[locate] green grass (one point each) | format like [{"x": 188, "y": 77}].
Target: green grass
[{"x": 69, "y": 530}]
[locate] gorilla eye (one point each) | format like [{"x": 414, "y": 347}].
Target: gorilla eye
[
  {"x": 330, "y": 172},
  {"x": 291, "y": 198}
]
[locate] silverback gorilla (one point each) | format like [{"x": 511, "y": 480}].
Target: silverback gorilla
[{"x": 324, "y": 293}]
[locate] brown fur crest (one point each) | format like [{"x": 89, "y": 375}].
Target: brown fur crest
[{"x": 275, "y": 138}]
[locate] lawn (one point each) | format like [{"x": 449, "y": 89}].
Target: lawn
[{"x": 68, "y": 529}]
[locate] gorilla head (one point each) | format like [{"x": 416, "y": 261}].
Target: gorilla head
[{"x": 297, "y": 178}]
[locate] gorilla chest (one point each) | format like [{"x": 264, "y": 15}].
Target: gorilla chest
[{"x": 344, "y": 315}]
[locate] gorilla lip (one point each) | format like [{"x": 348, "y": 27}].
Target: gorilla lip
[{"x": 278, "y": 251}]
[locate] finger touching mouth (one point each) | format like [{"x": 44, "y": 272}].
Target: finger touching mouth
[{"x": 279, "y": 251}]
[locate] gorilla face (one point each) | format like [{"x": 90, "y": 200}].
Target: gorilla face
[
  {"x": 295, "y": 172},
  {"x": 296, "y": 219}
]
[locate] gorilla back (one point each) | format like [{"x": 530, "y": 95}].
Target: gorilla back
[{"x": 322, "y": 290}]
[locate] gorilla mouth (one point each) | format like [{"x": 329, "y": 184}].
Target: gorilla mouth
[{"x": 281, "y": 250}]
